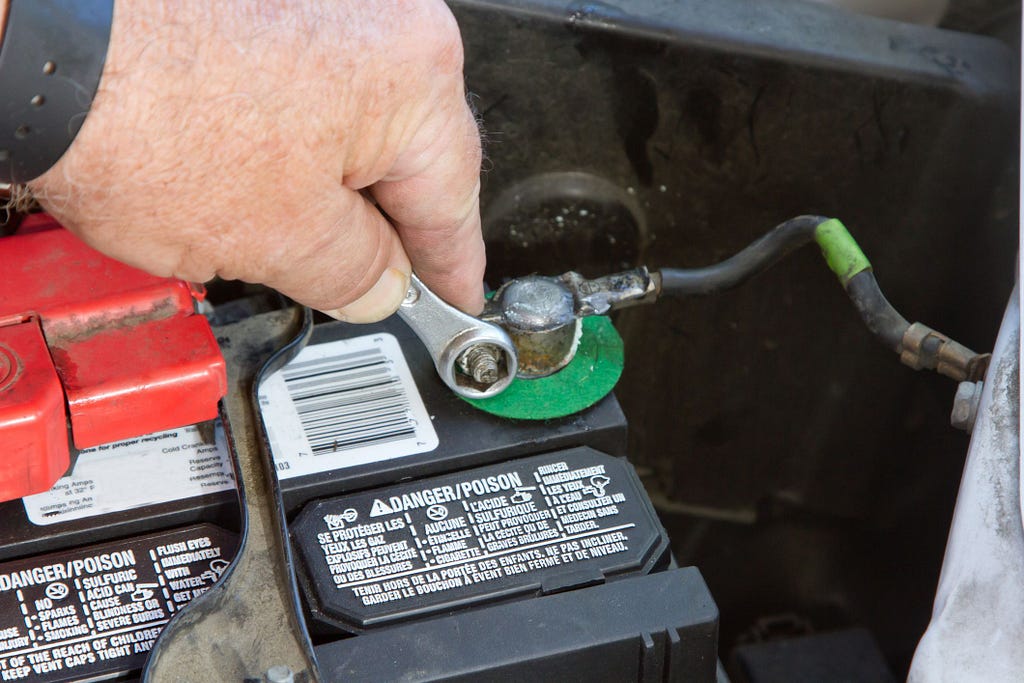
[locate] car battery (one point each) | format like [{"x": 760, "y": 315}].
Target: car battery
[
  {"x": 164, "y": 505},
  {"x": 100, "y": 356},
  {"x": 94, "y": 612},
  {"x": 467, "y": 546},
  {"x": 362, "y": 406},
  {"x": 112, "y": 552}
]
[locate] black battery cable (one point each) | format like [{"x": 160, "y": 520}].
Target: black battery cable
[{"x": 918, "y": 345}]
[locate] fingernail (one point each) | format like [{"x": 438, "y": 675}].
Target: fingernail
[{"x": 382, "y": 300}]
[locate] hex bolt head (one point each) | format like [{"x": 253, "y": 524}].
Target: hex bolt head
[{"x": 965, "y": 405}]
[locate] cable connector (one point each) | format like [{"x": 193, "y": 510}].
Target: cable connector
[{"x": 925, "y": 349}]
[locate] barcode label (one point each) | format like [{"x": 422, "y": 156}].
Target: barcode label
[{"x": 344, "y": 403}]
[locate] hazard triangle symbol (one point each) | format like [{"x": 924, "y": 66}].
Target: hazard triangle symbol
[{"x": 380, "y": 508}]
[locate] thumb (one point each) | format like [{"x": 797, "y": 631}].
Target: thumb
[
  {"x": 356, "y": 270},
  {"x": 384, "y": 296}
]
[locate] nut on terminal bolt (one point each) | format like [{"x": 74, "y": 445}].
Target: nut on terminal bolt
[
  {"x": 965, "y": 405},
  {"x": 482, "y": 363},
  {"x": 475, "y": 358}
]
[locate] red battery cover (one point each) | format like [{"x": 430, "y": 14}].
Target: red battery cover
[{"x": 123, "y": 349}]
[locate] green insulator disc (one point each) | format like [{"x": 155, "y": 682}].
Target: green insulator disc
[{"x": 588, "y": 378}]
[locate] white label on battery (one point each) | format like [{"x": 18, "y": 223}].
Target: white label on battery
[
  {"x": 344, "y": 403},
  {"x": 156, "y": 468}
]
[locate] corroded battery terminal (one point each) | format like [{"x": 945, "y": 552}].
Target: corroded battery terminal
[
  {"x": 542, "y": 314},
  {"x": 531, "y": 328}
]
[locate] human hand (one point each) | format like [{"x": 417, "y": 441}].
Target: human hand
[{"x": 251, "y": 140}]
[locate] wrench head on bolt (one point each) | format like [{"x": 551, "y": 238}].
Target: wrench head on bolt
[{"x": 476, "y": 359}]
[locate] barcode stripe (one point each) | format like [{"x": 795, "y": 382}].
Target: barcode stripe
[
  {"x": 329, "y": 407},
  {"x": 323, "y": 426},
  {"x": 309, "y": 379},
  {"x": 361, "y": 425},
  {"x": 349, "y": 401},
  {"x": 329, "y": 371}
]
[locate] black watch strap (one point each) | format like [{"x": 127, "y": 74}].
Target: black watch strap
[{"x": 50, "y": 66}]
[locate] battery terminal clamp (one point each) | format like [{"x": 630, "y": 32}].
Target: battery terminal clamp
[
  {"x": 543, "y": 314},
  {"x": 532, "y": 326},
  {"x": 925, "y": 349}
]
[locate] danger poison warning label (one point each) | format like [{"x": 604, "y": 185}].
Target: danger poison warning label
[
  {"x": 96, "y": 612},
  {"x": 536, "y": 524},
  {"x": 444, "y": 494}
]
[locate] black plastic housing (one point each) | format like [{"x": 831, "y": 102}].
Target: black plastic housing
[
  {"x": 661, "y": 627},
  {"x": 468, "y": 437},
  {"x": 516, "y": 530}
]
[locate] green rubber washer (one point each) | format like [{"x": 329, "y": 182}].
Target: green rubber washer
[{"x": 588, "y": 378}]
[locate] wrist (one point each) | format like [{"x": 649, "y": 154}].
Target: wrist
[{"x": 51, "y": 59}]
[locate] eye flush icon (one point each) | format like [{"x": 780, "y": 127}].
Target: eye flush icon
[
  {"x": 219, "y": 565},
  {"x": 598, "y": 482},
  {"x": 144, "y": 591},
  {"x": 522, "y": 494}
]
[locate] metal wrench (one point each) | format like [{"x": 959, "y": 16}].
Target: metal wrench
[{"x": 476, "y": 359}]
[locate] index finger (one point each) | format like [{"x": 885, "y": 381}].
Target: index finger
[{"x": 433, "y": 199}]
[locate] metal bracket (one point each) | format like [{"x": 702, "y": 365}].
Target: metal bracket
[{"x": 924, "y": 348}]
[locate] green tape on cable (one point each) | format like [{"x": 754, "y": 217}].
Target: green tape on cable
[
  {"x": 840, "y": 250},
  {"x": 589, "y": 377}
]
